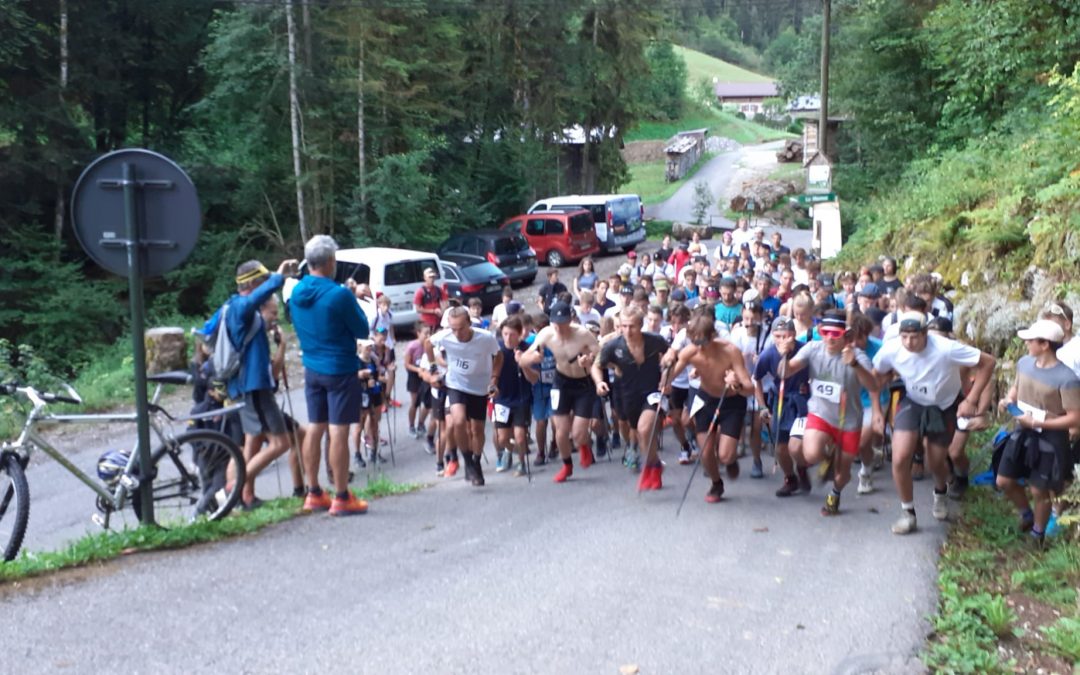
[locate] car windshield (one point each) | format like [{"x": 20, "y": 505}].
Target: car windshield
[
  {"x": 510, "y": 245},
  {"x": 581, "y": 223},
  {"x": 480, "y": 271}
]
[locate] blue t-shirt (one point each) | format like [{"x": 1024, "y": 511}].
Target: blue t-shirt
[
  {"x": 255, "y": 361},
  {"x": 729, "y": 315},
  {"x": 769, "y": 364},
  {"x": 542, "y": 388},
  {"x": 771, "y": 306},
  {"x": 873, "y": 346}
]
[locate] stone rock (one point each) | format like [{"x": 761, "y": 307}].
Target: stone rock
[
  {"x": 686, "y": 230},
  {"x": 166, "y": 349},
  {"x": 720, "y": 144},
  {"x": 764, "y": 193}
]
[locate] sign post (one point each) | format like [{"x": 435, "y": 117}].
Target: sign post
[{"x": 159, "y": 208}]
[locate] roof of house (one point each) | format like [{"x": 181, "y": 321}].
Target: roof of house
[{"x": 745, "y": 89}]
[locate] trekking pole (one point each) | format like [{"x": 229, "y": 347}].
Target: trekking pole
[
  {"x": 292, "y": 429},
  {"x": 657, "y": 421},
  {"x": 392, "y": 424},
  {"x": 775, "y": 433},
  {"x": 709, "y": 438}
]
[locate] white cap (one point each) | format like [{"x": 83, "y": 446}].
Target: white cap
[{"x": 1043, "y": 329}]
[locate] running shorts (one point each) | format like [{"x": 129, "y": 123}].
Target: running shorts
[
  {"x": 261, "y": 413},
  {"x": 910, "y": 414},
  {"x": 475, "y": 406},
  {"x": 731, "y": 418},
  {"x": 573, "y": 395},
  {"x": 847, "y": 441}
]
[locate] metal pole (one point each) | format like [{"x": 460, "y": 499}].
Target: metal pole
[
  {"x": 135, "y": 291},
  {"x": 823, "y": 113}
]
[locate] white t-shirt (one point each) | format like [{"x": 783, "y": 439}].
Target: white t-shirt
[
  {"x": 468, "y": 363},
  {"x": 585, "y": 317},
  {"x": 498, "y": 315},
  {"x": 931, "y": 377},
  {"x": 1069, "y": 354},
  {"x": 678, "y": 343},
  {"x": 740, "y": 237}
]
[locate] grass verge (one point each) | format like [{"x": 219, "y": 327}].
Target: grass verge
[
  {"x": 656, "y": 229},
  {"x": 1004, "y": 607},
  {"x": 718, "y": 122},
  {"x": 107, "y": 545},
  {"x": 649, "y": 181}
]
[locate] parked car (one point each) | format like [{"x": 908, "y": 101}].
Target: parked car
[
  {"x": 558, "y": 237},
  {"x": 619, "y": 219},
  {"x": 391, "y": 271},
  {"x": 473, "y": 277},
  {"x": 508, "y": 251}
]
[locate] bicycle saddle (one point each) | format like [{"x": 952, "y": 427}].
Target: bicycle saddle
[{"x": 171, "y": 377}]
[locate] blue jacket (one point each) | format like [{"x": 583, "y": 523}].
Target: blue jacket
[
  {"x": 328, "y": 323},
  {"x": 255, "y": 361}
]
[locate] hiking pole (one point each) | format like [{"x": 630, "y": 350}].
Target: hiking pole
[
  {"x": 657, "y": 421},
  {"x": 292, "y": 430},
  {"x": 775, "y": 433},
  {"x": 709, "y": 437}
]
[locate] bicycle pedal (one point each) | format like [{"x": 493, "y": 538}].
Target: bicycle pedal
[
  {"x": 100, "y": 520},
  {"x": 129, "y": 482}
]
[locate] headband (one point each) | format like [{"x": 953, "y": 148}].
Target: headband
[{"x": 252, "y": 275}]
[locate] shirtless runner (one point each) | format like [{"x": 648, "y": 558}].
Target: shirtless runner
[
  {"x": 574, "y": 348},
  {"x": 724, "y": 377}
]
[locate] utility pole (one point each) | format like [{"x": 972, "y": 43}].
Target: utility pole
[{"x": 823, "y": 113}]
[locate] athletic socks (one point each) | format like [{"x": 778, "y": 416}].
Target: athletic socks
[
  {"x": 835, "y": 493},
  {"x": 343, "y": 495},
  {"x": 908, "y": 506}
]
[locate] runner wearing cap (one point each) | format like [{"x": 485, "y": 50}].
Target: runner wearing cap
[
  {"x": 1047, "y": 393},
  {"x": 836, "y": 369},
  {"x": 512, "y": 403},
  {"x": 724, "y": 379},
  {"x": 636, "y": 357},
  {"x": 574, "y": 348},
  {"x": 929, "y": 366},
  {"x": 473, "y": 361},
  {"x": 792, "y": 407}
]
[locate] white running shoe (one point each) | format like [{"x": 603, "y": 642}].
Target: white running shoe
[
  {"x": 906, "y": 524},
  {"x": 866, "y": 483},
  {"x": 941, "y": 506}
]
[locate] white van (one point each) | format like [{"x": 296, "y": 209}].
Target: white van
[
  {"x": 394, "y": 272},
  {"x": 619, "y": 219}
]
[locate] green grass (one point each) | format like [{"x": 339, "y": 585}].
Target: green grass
[
  {"x": 718, "y": 122},
  {"x": 656, "y": 229},
  {"x": 648, "y": 180},
  {"x": 702, "y": 66},
  {"x": 107, "y": 545}
]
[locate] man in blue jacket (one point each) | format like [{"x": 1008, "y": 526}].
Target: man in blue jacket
[
  {"x": 328, "y": 323},
  {"x": 260, "y": 417}
]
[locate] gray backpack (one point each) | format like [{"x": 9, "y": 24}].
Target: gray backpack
[{"x": 227, "y": 358}]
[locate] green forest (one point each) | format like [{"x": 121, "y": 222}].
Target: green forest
[{"x": 399, "y": 121}]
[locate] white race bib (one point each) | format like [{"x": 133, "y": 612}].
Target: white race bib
[
  {"x": 365, "y": 400},
  {"x": 464, "y": 365},
  {"x": 829, "y": 391},
  {"x": 554, "y": 399},
  {"x": 656, "y": 398},
  {"x": 1037, "y": 414},
  {"x": 798, "y": 427},
  {"x": 502, "y": 413},
  {"x": 697, "y": 405}
]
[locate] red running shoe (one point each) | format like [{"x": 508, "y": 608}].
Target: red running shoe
[
  {"x": 651, "y": 478},
  {"x": 586, "y": 456},
  {"x": 395, "y": 403},
  {"x": 313, "y": 502},
  {"x": 451, "y": 468},
  {"x": 565, "y": 472}
]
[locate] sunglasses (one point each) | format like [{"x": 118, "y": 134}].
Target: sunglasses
[
  {"x": 832, "y": 333},
  {"x": 1054, "y": 308}
]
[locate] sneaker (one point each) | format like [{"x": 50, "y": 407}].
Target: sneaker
[
  {"x": 470, "y": 468},
  {"x": 941, "y": 507},
  {"x": 866, "y": 483},
  {"x": 504, "y": 461},
  {"x": 1037, "y": 541},
  {"x": 651, "y": 478},
  {"x": 519, "y": 470},
  {"x": 395, "y": 403},
  {"x": 298, "y": 492},
  {"x": 586, "y": 457},
  {"x": 716, "y": 492},
  {"x": 804, "y": 480},
  {"x": 684, "y": 456},
  {"x": 440, "y": 469},
  {"x": 879, "y": 459},
  {"x": 565, "y": 472},
  {"x": 359, "y": 459},
  {"x": 906, "y": 523},
  {"x": 601, "y": 445},
  {"x": 477, "y": 471},
  {"x": 616, "y": 441},
  {"x": 316, "y": 502},
  {"x": 348, "y": 507},
  {"x": 633, "y": 460},
  {"x": 790, "y": 487},
  {"x": 957, "y": 487},
  {"x": 1027, "y": 521},
  {"x": 252, "y": 505},
  {"x": 429, "y": 445},
  {"x": 412, "y": 431},
  {"x": 694, "y": 449},
  {"x": 733, "y": 470},
  {"x": 832, "y": 505},
  {"x": 756, "y": 471},
  {"x": 451, "y": 468},
  {"x": 541, "y": 458}
]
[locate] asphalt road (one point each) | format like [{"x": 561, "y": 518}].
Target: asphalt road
[{"x": 584, "y": 577}]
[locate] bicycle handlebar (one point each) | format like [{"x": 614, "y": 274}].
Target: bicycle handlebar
[{"x": 12, "y": 388}]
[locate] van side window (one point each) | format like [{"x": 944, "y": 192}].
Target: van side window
[
  {"x": 599, "y": 212},
  {"x": 400, "y": 273},
  {"x": 358, "y": 272},
  {"x": 535, "y": 226},
  {"x": 552, "y": 226}
]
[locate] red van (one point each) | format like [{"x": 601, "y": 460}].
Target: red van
[{"x": 558, "y": 237}]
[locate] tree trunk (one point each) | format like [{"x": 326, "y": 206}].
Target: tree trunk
[
  {"x": 59, "y": 211},
  {"x": 361, "y": 158},
  {"x": 294, "y": 119},
  {"x": 586, "y": 165}
]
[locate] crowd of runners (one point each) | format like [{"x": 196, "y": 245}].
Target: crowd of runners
[{"x": 747, "y": 347}]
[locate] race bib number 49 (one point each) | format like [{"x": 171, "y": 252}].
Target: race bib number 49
[{"x": 829, "y": 391}]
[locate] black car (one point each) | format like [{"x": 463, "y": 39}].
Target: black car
[
  {"x": 474, "y": 277},
  {"x": 509, "y": 251}
]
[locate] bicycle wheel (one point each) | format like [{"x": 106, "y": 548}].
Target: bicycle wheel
[
  {"x": 201, "y": 473},
  {"x": 14, "y": 505}
]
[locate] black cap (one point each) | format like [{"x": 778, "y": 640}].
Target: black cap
[
  {"x": 560, "y": 313},
  {"x": 678, "y": 294}
]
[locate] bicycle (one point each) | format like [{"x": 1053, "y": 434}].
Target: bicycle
[{"x": 212, "y": 484}]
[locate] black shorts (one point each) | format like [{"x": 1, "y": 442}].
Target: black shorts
[
  {"x": 371, "y": 400},
  {"x": 575, "y": 395},
  {"x": 1040, "y": 466},
  {"x": 732, "y": 413},
  {"x": 475, "y": 406},
  {"x": 633, "y": 404},
  {"x": 520, "y": 416},
  {"x": 413, "y": 383},
  {"x": 677, "y": 400},
  {"x": 438, "y": 402},
  {"x": 909, "y": 415},
  {"x": 261, "y": 413}
]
